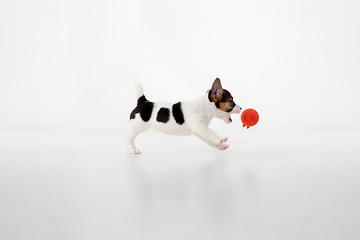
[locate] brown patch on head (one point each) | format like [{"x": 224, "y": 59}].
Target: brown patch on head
[
  {"x": 221, "y": 97},
  {"x": 226, "y": 106},
  {"x": 226, "y": 103}
]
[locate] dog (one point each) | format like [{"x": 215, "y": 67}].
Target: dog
[{"x": 182, "y": 118}]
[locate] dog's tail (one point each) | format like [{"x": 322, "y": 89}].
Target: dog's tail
[{"x": 139, "y": 92}]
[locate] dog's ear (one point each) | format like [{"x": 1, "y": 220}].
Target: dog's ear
[{"x": 217, "y": 89}]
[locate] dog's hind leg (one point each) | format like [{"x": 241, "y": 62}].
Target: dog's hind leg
[{"x": 134, "y": 129}]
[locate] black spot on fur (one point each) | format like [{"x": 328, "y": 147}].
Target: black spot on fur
[
  {"x": 144, "y": 107},
  {"x": 142, "y": 99},
  {"x": 178, "y": 113},
  {"x": 132, "y": 114},
  {"x": 163, "y": 115},
  {"x": 226, "y": 96},
  {"x": 209, "y": 96}
]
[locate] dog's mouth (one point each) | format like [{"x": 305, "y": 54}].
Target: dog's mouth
[
  {"x": 236, "y": 110},
  {"x": 227, "y": 118}
]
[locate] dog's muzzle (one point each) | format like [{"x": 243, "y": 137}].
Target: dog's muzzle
[{"x": 236, "y": 109}]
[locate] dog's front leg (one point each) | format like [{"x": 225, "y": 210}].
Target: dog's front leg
[
  {"x": 210, "y": 137},
  {"x": 220, "y": 146}
]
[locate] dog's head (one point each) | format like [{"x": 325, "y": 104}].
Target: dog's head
[{"x": 223, "y": 100}]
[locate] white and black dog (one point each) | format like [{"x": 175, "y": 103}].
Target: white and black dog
[{"x": 182, "y": 118}]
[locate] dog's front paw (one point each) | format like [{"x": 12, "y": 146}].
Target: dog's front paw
[
  {"x": 134, "y": 150},
  {"x": 222, "y": 146},
  {"x": 222, "y": 140}
]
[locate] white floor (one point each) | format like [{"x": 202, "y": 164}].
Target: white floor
[{"x": 272, "y": 185}]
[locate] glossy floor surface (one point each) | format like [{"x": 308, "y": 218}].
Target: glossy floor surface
[{"x": 273, "y": 185}]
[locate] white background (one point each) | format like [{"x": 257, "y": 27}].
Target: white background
[
  {"x": 66, "y": 73},
  {"x": 71, "y": 63}
]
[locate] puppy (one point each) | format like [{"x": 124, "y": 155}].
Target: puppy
[{"x": 182, "y": 118}]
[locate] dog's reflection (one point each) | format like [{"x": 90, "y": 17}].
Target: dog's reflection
[{"x": 216, "y": 189}]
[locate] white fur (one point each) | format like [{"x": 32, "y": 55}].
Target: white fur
[{"x": 197, "y": 114}]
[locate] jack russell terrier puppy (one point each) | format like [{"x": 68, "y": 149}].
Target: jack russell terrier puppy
[{"x": 182, "y": 118}]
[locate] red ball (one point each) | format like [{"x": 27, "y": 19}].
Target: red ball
[{"x": 249, "y": 117}]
